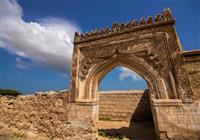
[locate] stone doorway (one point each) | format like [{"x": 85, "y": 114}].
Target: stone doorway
[{"x": 124, "y": 114}]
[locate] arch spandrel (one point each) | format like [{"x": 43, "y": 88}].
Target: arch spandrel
[{"x": 152, "y": 45}]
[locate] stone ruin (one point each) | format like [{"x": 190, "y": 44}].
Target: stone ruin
[{"x": 149, "y": 47}]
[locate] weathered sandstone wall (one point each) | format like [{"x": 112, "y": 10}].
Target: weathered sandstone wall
[
  {"x": 43, "y": 116},
  {"x": 192, "y": 59},
  {"x": 177, "y": 121},
  {"x": 51, "y": 116},
  {"x": 125, "y": 105}
]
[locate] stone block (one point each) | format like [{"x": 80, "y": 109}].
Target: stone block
[
  {"x": 160, "y": 118},
  {"x": 180, "y": 127},
  {"x": 176, "y": 110},
  {"x": 165, "y": 127},
  {"x": 185, "y": 118},
  {"x": 163, "y": 110},
  {"x": 194, "y": 128},
  {"x": 196, "y": 118},
  {"x": 170, "y": 118}
]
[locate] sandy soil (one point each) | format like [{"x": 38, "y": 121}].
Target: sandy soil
[{"x": 132, "y": 131}]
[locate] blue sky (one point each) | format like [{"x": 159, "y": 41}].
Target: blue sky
[{"x": 36, "y": 38}]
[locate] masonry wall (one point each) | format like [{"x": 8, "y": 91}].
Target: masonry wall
[
  {"x": 192, "y": 61},
  {"x": 51, "y": 116},
  {"x": 125, "y": 105},
  {"x": 176, "y": 120},
  {"x": 44, "y": 117}
]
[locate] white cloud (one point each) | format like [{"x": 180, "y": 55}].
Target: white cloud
[
  {"x": 125, "y": 72},
  {"x": 47, "y": 43}
]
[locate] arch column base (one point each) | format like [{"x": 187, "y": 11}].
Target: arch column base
[{"x": 82, "y": 118}]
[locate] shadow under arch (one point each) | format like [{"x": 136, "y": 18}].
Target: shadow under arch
[{"x": 154, "y": 81}]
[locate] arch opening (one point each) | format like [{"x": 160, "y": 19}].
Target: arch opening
[
  {"x": 124, "y": 111},
  {"x": 99, "y": 71},
  {"x": 121, "y": 78},
  {"x": 156, "y": 84}
]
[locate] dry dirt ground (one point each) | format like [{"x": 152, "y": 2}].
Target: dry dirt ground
[{"x": 129, "y": 131}]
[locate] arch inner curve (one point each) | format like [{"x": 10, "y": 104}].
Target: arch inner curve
[{"x": 101, "y": 69}]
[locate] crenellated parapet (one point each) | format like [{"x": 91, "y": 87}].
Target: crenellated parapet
[{"x": 161, "y": 19}]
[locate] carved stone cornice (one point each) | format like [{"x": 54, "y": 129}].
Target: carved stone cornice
[
  {"x": 162, "y": 19},
  {"x": 192, "y": 55}
]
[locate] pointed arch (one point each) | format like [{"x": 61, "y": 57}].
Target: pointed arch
[
  {"x": 151, "y": 76},
  {"x": 122, "y": 79}
]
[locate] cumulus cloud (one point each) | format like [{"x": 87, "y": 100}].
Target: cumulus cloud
[
  {"x": 47, "y": 43},
  {"x": 125, "y": 72}
]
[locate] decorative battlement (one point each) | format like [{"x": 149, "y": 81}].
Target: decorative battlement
[{"x": 162, "y": 19}]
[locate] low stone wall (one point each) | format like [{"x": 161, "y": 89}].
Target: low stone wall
[
  {"x": 41, "y": 114},
  {"x": 51, "y": 116},
  {"x": 125, "y": 105},
  {"x": 43, "y": 117}
]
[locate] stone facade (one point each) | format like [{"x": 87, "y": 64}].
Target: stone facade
[
  {"x": 175, "y": 119},
  {"x": 125, "y": 105},
  {"x": 151, "y": 48},
  {"x": 192, "y": 61}
]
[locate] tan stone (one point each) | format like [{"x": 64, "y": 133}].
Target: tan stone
[
  {"x": 196, "y": 118},
  {"x": 186, "y": 118},
  {"x": 165, "y": 127},
  {"x": 170, "y": 118},
  {"x": 194, "y": 128},
  {"x": 180, "y": 127}
]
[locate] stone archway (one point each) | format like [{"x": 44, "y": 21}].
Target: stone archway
[
  {"x": 149, "y": 47},
  {"x": 153, "y": 47},
  {"x": 102, "y": 69},
  {"x": 116, "y": 107}
]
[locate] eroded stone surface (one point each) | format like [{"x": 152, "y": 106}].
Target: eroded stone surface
[
  {"x": 192, "y": 59},
  {"x": 41, "y": 116}
]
